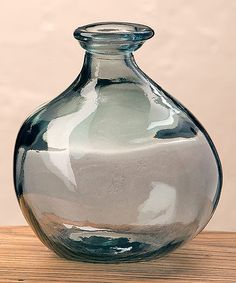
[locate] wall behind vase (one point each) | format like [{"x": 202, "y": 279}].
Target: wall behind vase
[{"x": 192, "y": 56}]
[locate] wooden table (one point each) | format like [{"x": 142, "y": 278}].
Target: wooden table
[{"x": 211, "y": 257}]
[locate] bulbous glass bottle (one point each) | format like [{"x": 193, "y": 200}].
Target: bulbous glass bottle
[{"x": 115, "y": 169}]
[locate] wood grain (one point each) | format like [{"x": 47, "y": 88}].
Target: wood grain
[{"x": 211, "y": 257}]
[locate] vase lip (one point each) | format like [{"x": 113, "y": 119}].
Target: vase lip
[{"x": 113, "y": 32}]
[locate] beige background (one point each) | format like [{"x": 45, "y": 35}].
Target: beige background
[{"x": 192, "y": 56}]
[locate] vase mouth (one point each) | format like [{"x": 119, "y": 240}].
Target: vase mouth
[{"x": 113, "y": 32}]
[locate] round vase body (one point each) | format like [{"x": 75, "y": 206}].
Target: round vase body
[{"x": 115, "y": 169}]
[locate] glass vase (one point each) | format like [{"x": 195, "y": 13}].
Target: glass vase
[{"x": 115, "y": 169}]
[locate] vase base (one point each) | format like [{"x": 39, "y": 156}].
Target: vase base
[
  {"x": 97, "y": 249},
  {"x": 102, "y": 243}
]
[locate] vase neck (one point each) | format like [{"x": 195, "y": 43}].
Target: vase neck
[{"x": 108, "y": 67}]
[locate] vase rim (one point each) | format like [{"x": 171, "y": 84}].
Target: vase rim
[{"x": 111, "y": 32}]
